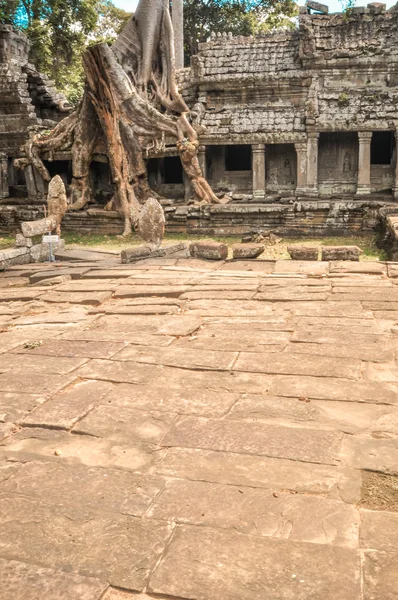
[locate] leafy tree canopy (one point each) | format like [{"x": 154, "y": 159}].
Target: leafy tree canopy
[
  {"x": 241, "y": 17},
  {"x": 59, "y": 32}
]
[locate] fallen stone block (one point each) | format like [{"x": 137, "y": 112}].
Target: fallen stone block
[
  {"x": 32, "y": 228},
  {"x": 247, "y": 250},
  {"x": 23, "y": 242},
  {"x": 341, "y": 253},
  {"x": 209, "y": 250},
  {"x": 14, "y": 256},
  {"x": 132, "y": 254},
  {"x": 303, "y": 252}
]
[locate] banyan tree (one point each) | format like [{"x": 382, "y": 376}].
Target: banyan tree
[{"x": 131, "y": 105}]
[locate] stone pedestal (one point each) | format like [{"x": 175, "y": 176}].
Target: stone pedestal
[
  {"x": 365, "y": 139},
  {"x": 301, "y": 150},
  {"x": 258, "y": 169},
  {"x": 312, "y": 163},
  {"x": 178, "y": 26},
  {"x": 4, "y": 187}
]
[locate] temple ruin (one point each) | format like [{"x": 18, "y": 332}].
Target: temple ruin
[{"x": 297, "y": 128}]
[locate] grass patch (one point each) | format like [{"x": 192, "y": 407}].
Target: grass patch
[
  {"x": 6, "y": 242},
  {"x": 114, "y": 243}
]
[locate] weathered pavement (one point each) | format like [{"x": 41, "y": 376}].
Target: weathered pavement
[{"x": 199, "y": 430}]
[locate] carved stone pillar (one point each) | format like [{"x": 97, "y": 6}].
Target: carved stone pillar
[
  {"x": 395, "y": 185},
  {"x": 258, "y": 169},
  {"x": 202, "y": 160},
  {"x": 365, "y": 139},
  {"x": 301, "y": 150},
  {"x": 312, "y": 162},
  {"x": 4, "y": 187}
]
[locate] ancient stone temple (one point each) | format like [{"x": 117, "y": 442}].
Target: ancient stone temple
[{"x": 298, "y": 127}]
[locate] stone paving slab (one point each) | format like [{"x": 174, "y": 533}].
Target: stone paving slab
[
  {"x": 65, "y": 409},
  {"x": 22, "y": 581},
  {"x": 246, "y": 438},
  {"x": 203, "y": 563},
  {"x": 91, "y": 298},
  {"x": 258, "y": 512},
  {"x": 218, "y": 452}
]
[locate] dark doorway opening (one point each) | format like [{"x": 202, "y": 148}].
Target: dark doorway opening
[
  {"x": 238, "y": 158},
  {"x": 60, "y": 167},
  {"x": 382, "y": 148},
  {"x": 173, "y": 170}
]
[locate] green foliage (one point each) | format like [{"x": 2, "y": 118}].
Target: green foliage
[
  {"x": 60, "y": 31},
  {"x": 241, "y": 17},
  {"x": 343, "y": 99}
]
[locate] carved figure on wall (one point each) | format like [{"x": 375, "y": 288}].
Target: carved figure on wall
[{"x": 347, "y": 162}]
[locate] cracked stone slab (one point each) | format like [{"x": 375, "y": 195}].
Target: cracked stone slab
[
  {"x": 133, "y": 291},
  {"x": 88, "y": 285},
  {"x": 33, "y": 531},
  {"x": 65, "y": 409},
  {"x": 202, "y": 564},
  {"x": 229, "y": 308},
  {"x": 291, "y": 295},
  {"x": 6, "y": 429},
  {"x": 258, "y": 512},
  {"x": 151, "y": 309},
  {"x": 372, "y": 454},
  {"x": 124, "y": 424},
  {"x": 231, "y": 340},
  {"x": 77, "y": 488},
  {"x": 331, "y": 388},
  {"x": 380, "y": 574},
  {"x": 62, "y": 348},
  {"x": 291, "y": 364},
  {"x": 89, "y": 298},
  {"x": 250, "y": 438},
  {"x": 22, "y": 581},
  {"x": 370, "y": 267},
  {"x": 23, "y": 294},
  {"x": 259, "y": 471},
  {"x": 310, "y": 268},
  {"x": 352, "y": 309},
  {"x": 179, "y": 357},
  {"x": 379, "y": 530},
  {"x": 181, "y": 396}
]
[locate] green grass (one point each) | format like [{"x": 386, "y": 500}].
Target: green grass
[
  {"x": 6, "y": 242},
  {"x": 114, "y": 243}
]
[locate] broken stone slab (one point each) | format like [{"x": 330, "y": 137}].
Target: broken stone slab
[
  {"x": 303, "y": 252},
  {"x": 54, "y": 281},
  {"x": 133, "y": 254},
  {"x": 200, "y": 560},
  {"x": 209, "y": 250},
  {"x": 22, "y": 581},
  {"x": 23, "y": 242},
  {"x": 330, "y": 253},
  {"x": 245, "y": 251},
  {"x": 89, "y": 298},
  {"x": 322, "y": 8},
  {"x": 380, "y": 575},
  {"x": 379, "y": 530}
]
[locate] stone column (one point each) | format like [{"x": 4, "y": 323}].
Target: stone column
[
  {"x": 4, "y": 186},
  {"x": 258, "y": 169},
  {"x": 301, "y": 150},
  {"x": 395, "y": 185},
  {"x": 177, "y": 12},
  {"x": 312, "y": 162},
  {"x": 202, "y": 160},
  {"x": 365, "y": 138}
]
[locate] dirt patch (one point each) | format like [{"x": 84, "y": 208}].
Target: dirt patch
[{"x": 379, "y": 491}]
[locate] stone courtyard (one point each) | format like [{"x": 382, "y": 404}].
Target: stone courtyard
[{"x": 199, "y": 430}]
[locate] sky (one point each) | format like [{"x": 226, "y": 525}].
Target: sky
[{"x": 334, "y": 5}]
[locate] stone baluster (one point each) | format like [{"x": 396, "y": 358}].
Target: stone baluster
[
  {"x": 202, "y": 160},
  {"x": 365, "y": 139},
  {"x": 312, "y": 162},
  {"x": 4, "y": 186},
  {"x": 301, "y": 150},
  {"x": 258, "y": 169}
]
